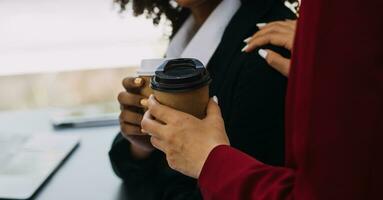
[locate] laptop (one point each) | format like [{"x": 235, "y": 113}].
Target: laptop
[
  {"x": 97, "y": 115},
  {"x": 27, "y": 161}
]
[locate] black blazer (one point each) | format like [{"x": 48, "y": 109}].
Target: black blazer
[{"x": 251, "y": 96}]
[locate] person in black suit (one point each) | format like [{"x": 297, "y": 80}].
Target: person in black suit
[{"x": 251, "y": 96}]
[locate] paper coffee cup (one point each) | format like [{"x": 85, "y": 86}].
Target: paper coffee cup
[{"x": 182, "y": 84}]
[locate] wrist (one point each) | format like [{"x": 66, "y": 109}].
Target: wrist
[
  {"x": 211, "y": 156},
  {"x": 138, "y": 152},
  {"x": 206, "y": 156},
  {"x": 140, "y": 146}
]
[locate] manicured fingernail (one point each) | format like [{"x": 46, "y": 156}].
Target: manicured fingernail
[
  {"x": 247, "y": 40},
  {"x": 138, "y": 81},
  {"x": 144, "y": 102},
  {"x": 245, "y": 48},
  {"x": 260, "y": 25},
  {"x": 215, "y": 98},
  {"x": 263, "y": 53}
]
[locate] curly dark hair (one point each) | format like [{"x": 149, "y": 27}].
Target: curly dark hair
[{"x": 155, "y": 9}]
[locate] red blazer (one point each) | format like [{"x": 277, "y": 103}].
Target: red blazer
[{"x": 334, "y": 138}]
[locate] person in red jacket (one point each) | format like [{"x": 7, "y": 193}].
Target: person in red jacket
[{"x": 334, "y": 127}]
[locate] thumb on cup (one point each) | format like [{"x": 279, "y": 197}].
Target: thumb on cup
[{"x": 213, "y": 108}]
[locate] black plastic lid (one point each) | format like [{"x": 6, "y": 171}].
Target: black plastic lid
[{"x": 180, "y": 75}]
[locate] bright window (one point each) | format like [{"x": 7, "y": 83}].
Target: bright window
[
  {"x": 90, "y": 40},
  {"x": 56, "y": 35}
]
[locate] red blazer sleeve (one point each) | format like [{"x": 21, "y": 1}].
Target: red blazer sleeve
[
  {"x": 230, "y": 174},
  {"x": 334, "y": 127}
]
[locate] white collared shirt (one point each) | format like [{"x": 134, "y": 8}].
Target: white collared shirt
[{"x": 206, "y": 40}]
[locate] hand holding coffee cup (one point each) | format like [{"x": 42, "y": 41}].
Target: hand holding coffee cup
[
  {"x": 133, "y": 102},
  {"x": 131, "y": 115},
  {"x": 182, "y": 84}
]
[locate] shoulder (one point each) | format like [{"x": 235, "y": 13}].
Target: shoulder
[
  {"x": 278, "y": 11},
  {"x": 254, "y": 66}
]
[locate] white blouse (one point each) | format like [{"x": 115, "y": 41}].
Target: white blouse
[{"x": 205, "y": 41}]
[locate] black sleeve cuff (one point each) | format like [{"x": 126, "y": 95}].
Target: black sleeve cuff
[{"x": 129, "y": 169}]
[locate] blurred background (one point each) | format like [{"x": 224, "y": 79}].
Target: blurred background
[{"x": 65, "y": 53}]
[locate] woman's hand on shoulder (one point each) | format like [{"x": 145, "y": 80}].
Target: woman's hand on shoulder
[{"x": 279, "y": 33}]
